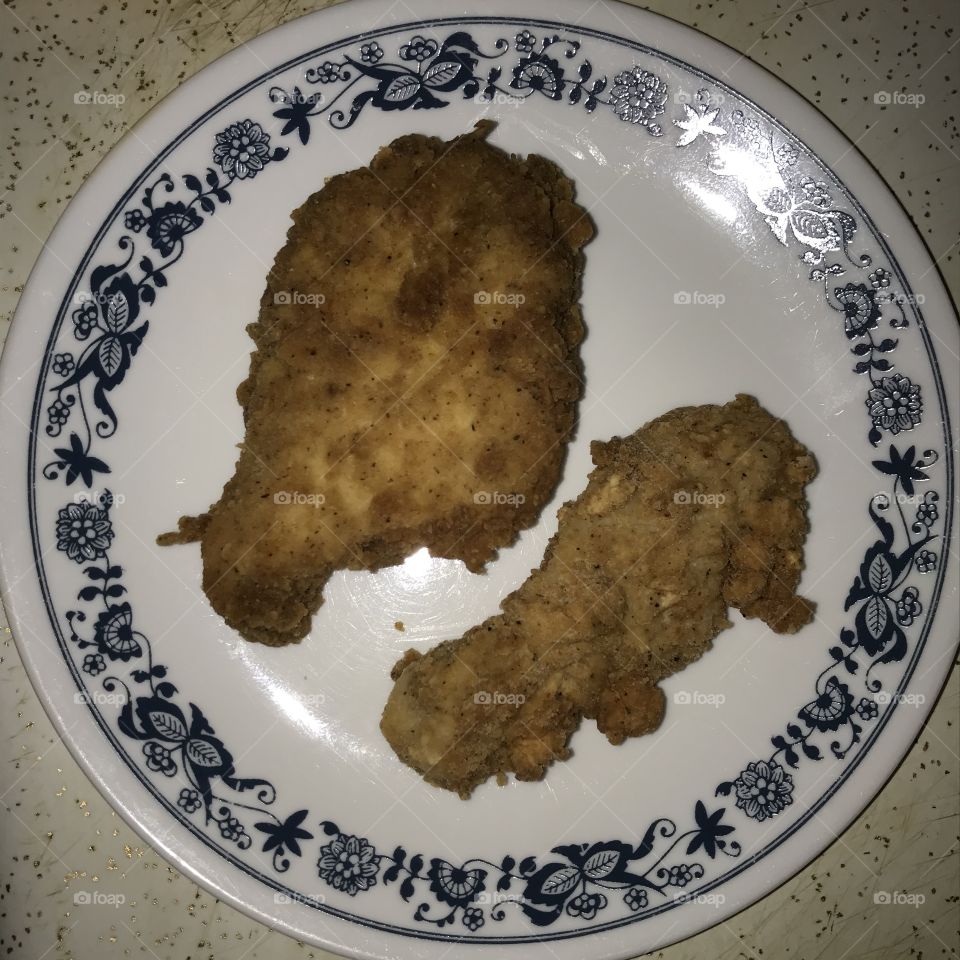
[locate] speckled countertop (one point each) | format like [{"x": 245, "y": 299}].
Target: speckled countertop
[{"x": 59, "y": 836}]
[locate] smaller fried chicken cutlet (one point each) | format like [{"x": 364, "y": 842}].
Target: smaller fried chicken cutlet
[
  {"x": 414, "y": 382},
  {"x": 700, "y": 510}
]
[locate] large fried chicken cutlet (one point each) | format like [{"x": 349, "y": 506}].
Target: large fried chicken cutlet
[
  {"x": 417, "y": 348},
  {"x": 700, "y": 510}
]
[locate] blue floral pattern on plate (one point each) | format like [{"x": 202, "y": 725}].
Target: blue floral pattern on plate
[{"x": 581, "y": 881}]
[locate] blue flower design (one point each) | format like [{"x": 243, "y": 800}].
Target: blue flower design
[
  {"x": 328, "y": 72},
  {"x": 638, "y": 96},
  {"x": 159, "y": 758},
  {"x": 134, "y": 220},
  {"x": 85, "y": 319},
  {"x": 636, "y": 898},
  {"x": 285, "y": 837},
  {"x": 371, "y": 52},
  {"x": 927, "y": 513},
  {"x": 63, "y": 364},
  {"x": 586, "y": 905},
  {"x": 169, "y": 224},
  {"x": 349, "y": 863},
  {"x": 905, "y": 467},
  {"x": 525, "y": 41},
  {"x": 815, "y": 192},
  {"x": 831, "y": 709},
  {"x": 419, "y": 49},
  {"x": 84, "y": 532},
  {"x": 860, "y": 311},
  {"x": 457, "y": 886},
  {"x": 539, "y": 73},
  {"x": 895, "y": 404},
  {"x": 787, "y": 155},
  {"x": 58, "y": 413},
  {"x": 231, "y": 829},
  {"x": 114, "y": 634},
  {"x": 867, "y": 709},
  {"x": 189, "y": 800},
  {"x": 909, "y": 606},
  {"x": 242, "y": 150},
  {"x": 763, "y": 789},
  {"x": 93, "y": 664}
]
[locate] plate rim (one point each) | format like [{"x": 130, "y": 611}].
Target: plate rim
[{"x": 683, "y": 33}]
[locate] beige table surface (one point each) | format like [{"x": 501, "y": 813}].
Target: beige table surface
[{"x": 58, "y": 836}]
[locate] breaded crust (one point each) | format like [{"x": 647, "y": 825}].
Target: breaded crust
[
  {"x": 700, "y": 510},
  {"x": 414, "y": 382}
]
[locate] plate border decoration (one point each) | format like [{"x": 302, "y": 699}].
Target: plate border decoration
[{"x": 797, "y": 208}]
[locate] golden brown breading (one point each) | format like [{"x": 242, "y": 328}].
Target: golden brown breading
[
  {"x": 701, "y": 509},
  {"x": 417, "y": 347}
]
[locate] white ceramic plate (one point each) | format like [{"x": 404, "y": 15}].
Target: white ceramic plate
[{"x": 743, "y": 246}]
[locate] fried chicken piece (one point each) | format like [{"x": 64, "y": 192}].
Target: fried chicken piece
[
  {"x": 700, "y": 510},
  {"x": 414, "y": 382}
]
